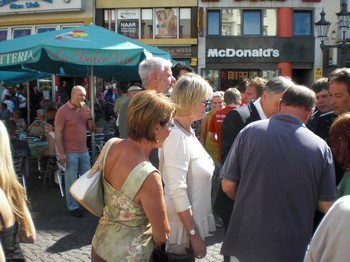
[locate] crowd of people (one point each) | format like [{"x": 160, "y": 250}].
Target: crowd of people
[{"x": 266, "y": 159}]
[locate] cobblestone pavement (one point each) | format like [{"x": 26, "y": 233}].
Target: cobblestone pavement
[{"x": 62, "y": 237}]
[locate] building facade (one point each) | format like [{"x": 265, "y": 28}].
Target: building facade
[
  {"x": 21, "y": 18},
  {"x": 169, "y": 25},
  {"x": 244, "y": 39}
]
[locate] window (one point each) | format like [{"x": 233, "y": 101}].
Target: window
[
  {"x": 3, "y": 34},
  {"x": 270, "y": 22},
  {"x": 19, "y": 32},
  {"x": 128, "y": 22},
  {"x": 251, "y": 22},
  {"x": 45, "y": 29},
  {"x": 302, "y": 23},
  {"x": 231, "y": 22},
  {"x": 146, "y": 23},
  {"x": 109, "y": 19},
  {"x": 213, "y": 22},
  {"x": 185, "y": 23},
  {"x": 150, "y": 23},
  {"x": 166, "y": 22}
]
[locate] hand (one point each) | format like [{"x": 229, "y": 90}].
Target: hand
[
  {"x": 88, "y": 111},
  {"x": 62, "y": 158},
  {"x": 198, "y": 245}
]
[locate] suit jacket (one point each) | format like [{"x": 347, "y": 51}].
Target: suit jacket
[
  {"x": 324, "y": 124},
  {"x": 233, "y": 123}
]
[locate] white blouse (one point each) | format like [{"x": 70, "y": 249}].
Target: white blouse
[{"x": 186, "y": 170}]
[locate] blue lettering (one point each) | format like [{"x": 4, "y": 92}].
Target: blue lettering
[
  {"x": 49, "y": 1},
  {"x": 32, "y": 5},
  {"x": 6, "y": 2},
  {"x": 14, "y": 6}
]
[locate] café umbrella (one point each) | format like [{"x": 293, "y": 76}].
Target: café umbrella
[{"x": 83, "y": 51}]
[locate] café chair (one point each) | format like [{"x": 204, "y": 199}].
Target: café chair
[
  {"x": 99, "y": 140},
  {"x": 19, "y": 164},
  {"x": 109, "y": 135},
  {"x": 48, "y": 168},
  {"x": 59, "y": 176}
]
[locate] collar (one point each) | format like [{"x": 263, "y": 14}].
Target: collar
[
  {"x": 70, "y": 105},
  {"x": 289, "y": 118},
  {"x": 258, "y": 107}
]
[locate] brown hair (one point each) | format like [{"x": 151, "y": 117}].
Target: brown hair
[
  {"x": 147, "y": 109},
  {"x": 339, "y": 138}
]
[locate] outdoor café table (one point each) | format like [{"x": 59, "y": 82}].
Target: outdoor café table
[{"x": 36, "y": 146}]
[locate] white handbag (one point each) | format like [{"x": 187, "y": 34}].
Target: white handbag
[{"x": 88, "y": 188}]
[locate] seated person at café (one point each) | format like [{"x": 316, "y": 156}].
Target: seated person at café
[
  {"x": 48, "y": 159},
  {"x": 20, "y": 122},
  {"x": 37, "y": 128},
  {"x": 19, "y": 148},
  {"x": 5, "y": 114}
]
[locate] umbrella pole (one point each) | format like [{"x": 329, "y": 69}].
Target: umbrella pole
[
  {"x": 92, "y": 84},
  {"x": 28, "y": 106}
]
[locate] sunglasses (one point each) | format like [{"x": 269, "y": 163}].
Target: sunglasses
[
  {"x": 168, "y": 124},
  {"x": 207, "y": 102}
]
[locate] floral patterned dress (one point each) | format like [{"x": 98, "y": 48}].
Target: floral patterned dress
[{"x": 124, "y": 232}]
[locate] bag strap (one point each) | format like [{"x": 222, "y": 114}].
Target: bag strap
[{"x": 100, "y": 162}]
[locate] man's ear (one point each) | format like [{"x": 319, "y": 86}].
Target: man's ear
[{"x": 279, "y": 106}]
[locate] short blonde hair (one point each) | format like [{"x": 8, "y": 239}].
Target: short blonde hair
[
  {"x": 147, "y": 109},
  {"x": 219, "y": 94},
  {"x": 190, "y": 90}
]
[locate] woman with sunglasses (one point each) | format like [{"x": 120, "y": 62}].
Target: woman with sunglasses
[{"x": 187, "y": 169}]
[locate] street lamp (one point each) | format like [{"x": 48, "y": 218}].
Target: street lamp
[{"x": 322, "y": 27}]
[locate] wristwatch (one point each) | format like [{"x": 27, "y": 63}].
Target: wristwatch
[{"x": 192, "y": 232}]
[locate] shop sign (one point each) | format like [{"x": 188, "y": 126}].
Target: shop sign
[
  {"x": 260, "y": 49},
  {"x": 178, "y": 52},
  {"x": 18, "y": 6},
  {"x": 230, "y": 52}
]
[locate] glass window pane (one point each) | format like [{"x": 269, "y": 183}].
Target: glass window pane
[
  {"x": 21, "y": 32},
  {"x": 3, "y": 35},
  {"x": 231, "y": 21},
  {"x": 270, "y": 22},
  {"x": 109, "y": 17},
  {"x": 185, "y": 23},
  {"x": 166, "y": 19},
  {"x": 302, "y": 23},
  {"x": 146, "y": 23},
  {"x": 213, "y": 22},
  {"x": 212, "y": 76},
  {"x": 128, "y": 22},
  {"x": 251, "y": 22}
]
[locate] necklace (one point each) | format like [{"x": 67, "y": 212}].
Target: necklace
[{"x": 184, "y": 128}]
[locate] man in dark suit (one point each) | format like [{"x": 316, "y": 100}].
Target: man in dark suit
[
  {"x": 236, "y": 120},
  {"x": 323, "y": 103},
  {"x": 339, "y": 90}
]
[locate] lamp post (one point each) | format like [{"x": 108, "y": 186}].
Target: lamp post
[{"x": 322, "y": 28}]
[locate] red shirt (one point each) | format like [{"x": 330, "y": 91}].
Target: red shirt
[
  {"x": 74, "y": 123},
  {"x": 216, "y": 124}
]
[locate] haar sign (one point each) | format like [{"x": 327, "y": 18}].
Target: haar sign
[{"x": 230, "y": 52}]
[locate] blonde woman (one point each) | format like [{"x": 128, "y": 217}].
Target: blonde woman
[
  {"x": 37, "y": 128},
  {"x": 187, "y": 170},
  {"x": 15, "y": 218},
  {"x": 209, "y": 145}
]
